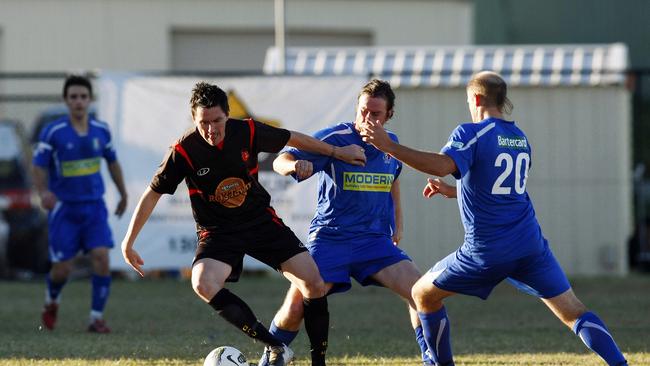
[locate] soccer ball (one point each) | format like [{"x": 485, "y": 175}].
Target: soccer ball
[{"x": 226, "y": 356}]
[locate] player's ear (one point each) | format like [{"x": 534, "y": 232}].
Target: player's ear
[
  {"x": 477, "y": 100},
  {"x": 390, "y": 114}
]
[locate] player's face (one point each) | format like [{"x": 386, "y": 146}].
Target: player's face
[
  {"x": 371, "y": 109},
  {"x": 471, "y": 104},
  {"x": 211, "y": 123},
  {"x": 78, "y": 100}
]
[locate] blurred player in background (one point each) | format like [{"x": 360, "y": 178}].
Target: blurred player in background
[
  {"x": 358, "y": 222},
  {"x": 67, "y": 161},
  {"x": 217, "y": 158},
  {"x": 491, "y": 158}
]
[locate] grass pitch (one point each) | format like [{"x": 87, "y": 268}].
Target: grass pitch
[{"x": 162, "y": 322}]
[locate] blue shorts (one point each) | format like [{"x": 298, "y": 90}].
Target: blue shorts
[
  {"x": 359, "y": 258},
  {"x": 75, "y": 226},
  {"x": 538, "y": 275}
]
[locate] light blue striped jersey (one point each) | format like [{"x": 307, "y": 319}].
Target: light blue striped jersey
[
  {"x": 73, "y": 162},
  {"x": 352, "y": 200},
  {"x": 493, "y": 159}
]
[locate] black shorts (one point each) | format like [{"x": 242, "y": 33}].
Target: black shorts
[{"x": 270, "y": 242}]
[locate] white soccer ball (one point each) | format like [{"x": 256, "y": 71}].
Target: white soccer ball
[{"x": 225, "y": 356}]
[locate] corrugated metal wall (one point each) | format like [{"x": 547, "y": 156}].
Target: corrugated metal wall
[{"x": 580, "y": 181}]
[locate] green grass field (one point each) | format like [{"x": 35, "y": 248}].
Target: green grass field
[{"x": 162, "y": 322}]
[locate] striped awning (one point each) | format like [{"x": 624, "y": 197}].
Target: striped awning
[{"x": 569, "y": 65}]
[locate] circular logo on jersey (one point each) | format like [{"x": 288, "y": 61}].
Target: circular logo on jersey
[{"x": 231, "y": 192}]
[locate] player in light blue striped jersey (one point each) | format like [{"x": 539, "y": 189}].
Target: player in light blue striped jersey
[
  {"x": 67, "y": 161},
  {"x": 491, "y": 159},
  {"x": 358, "y": 220}
]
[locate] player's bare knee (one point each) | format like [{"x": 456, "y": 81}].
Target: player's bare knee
[
  {"x": 100, "y": 264},
  {"x": 418, "y": 295},
  {"x": 314, "y": 289},
  {"x": 60, "y": 271},
  {"x": 204, "y": 288}
]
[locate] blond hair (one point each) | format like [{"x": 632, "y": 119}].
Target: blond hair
[{"x": 492, "y": 89}]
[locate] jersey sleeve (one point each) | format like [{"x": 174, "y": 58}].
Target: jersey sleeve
[
  {"x": 318, "y": 161},
  {"x": 268, "y": 138},
  {"x": 170, "y": 173},
  {"x": 43, "y": 149},
  {"x": 461, "y": 147},
  {"x": 109, "y": 150}
]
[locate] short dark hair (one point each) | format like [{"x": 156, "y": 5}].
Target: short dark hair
[
  {"x": 492, "y": 89},
  {"x": 379, "y": 89},
  {"x": 77, "y": 80},
  {"x": 207, "y": 95}
]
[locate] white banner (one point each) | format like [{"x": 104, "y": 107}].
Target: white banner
[{"x": 147, "y": 114}]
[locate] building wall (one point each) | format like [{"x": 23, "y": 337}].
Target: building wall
[
  {"x": 199, "y": 35},
  {"x": 46, "y": 35},
  {"x": 580, "y": 180}
]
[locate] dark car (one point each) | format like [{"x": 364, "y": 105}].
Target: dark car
[{"x": 27, "y": 242}]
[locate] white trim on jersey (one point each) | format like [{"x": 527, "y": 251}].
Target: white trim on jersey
[
  {"x": 57, "y": 163},
  {"x": 333, "y": 178},
  {"x": 100, "y": 124},
  {"x": 346, "y": 131},
  {"x": 41, "y": 147},
  {"x": 480, "y": 133},
  {"x": 54, "y": 129}
]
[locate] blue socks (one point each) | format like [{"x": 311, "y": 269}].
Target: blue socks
[
  {"x": 53, "y": 289},
  {"x": 435, "y": 327},
  {"x": 419, "y": 337},
  {"x": 285, "y": 336},
  {"x": 596, "y": 337},
  {"x": 101, "y": 286}
]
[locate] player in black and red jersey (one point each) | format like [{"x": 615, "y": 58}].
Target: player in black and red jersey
[{"x": 217, "y": 158}]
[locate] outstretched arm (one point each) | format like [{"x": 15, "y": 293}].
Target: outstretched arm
[
  {"x": 435, "y": 186},
  {"x": 286, "y": 164},
  {"x": 116, "y": 174},
  {"x": 351, "y": 154},
  {"x": 426, "y": 162},
  {"x": 142, "y": 212}
]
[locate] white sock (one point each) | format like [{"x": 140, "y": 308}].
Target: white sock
[
  {"x": 49, "y": 300},
  {"x": 96, "y": 315}
]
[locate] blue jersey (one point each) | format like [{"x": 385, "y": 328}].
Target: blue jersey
[
  {"x": 352, "y": 200},
  {"x": 493, "y": 158},
  {"x": 73, "y": 162}
]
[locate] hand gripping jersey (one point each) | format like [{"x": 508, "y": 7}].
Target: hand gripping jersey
[
  {"x": 352, "y": 200},
  {"x": 222, "y": 180},
  {"x": 493, "y": 159},
  {"x": 73, "y": 161}
]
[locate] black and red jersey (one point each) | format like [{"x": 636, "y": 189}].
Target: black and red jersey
[{"x": 222, "y": 180}]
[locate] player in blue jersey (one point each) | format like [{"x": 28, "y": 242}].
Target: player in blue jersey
[
  {"x": 67, "y": 161},
  {"x": 491, "y": 158},
  {"x": 358, "y": 221}
]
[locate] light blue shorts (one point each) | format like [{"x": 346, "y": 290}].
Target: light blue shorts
[{"x": 75, "y": 226}]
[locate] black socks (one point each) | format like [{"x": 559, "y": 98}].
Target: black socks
[
  {"x": 317, "y": 319},
  {"x": 239, "y": 314}
]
